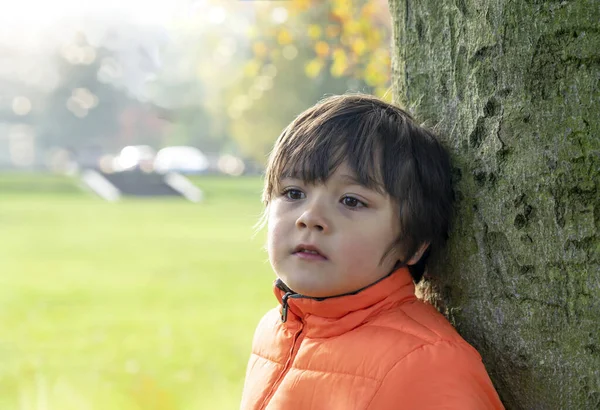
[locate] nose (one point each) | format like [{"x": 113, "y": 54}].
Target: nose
[{"x": 313, "y": 217}]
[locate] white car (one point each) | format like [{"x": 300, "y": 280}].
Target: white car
[
  {"x": 135, "y": 157},
  {"x": 182, "y": 159}
]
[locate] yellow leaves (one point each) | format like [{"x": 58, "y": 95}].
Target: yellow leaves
[
  {"x": 359, "y": 46},
  {"x": 284, "y": 37},
  {"x": 340, "y": 63},
  {"x": 333, "y": 31},
  {"x": 251, "y": 68},
  {"x": 369, "y": 9},
  {"x": 300, "y": 5},
  {"x": 314, "y": 31},
  {"x": 352, "y": 28},
  {"x": 313, "y": 68},
  {"x": 339, "y": 54},
  {"x": 382, "y": 56},
  {"x": 385, "y": 93},
  {"x": 374, "y": 39},
  {"x": 376, "y": 73},
  {"x": 342, "y": 9},
  {"x": 372, "y": 77},
  {"x": 345, "y": 37},
  {"x": 338, "y": 68},
  {"x": 322, "y": 49},
  {"x": 260, "y": 49}
]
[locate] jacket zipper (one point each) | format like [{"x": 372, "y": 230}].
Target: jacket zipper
[
  {"x": 285, "y": 306},
  {"x": 293, "y": 351}
]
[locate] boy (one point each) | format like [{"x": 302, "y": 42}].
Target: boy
[{"x": 357, "y": 194}]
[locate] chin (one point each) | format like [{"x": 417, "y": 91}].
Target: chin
[
  {"x": 301, "y": 287},
  {"x": 316, "y": 294},
  {"x": 312, "y": 290},
  {"x": 311, "y": 282}
]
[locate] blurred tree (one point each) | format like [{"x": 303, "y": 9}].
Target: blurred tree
[
  {"x": 198, "y": 66},
  {"x": 268, "y": 99},
  {"x": 64, "y": 111},
  {"x": 347, "y": 38},
  {"x": 81, "y": 111},
  {"x": 247, "y": 68},
  {"x": 299, "y": 52},
  {"x": 87, "y": 111}
]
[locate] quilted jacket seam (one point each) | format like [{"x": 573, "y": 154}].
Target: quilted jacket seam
[
  {"x": 336, "y": 372},
  {"x": 268, "y": 359},
  {"x": 401, "y": 360},
  {"x": 320, "y": 371},
  {"x": 425, "y": 341}
]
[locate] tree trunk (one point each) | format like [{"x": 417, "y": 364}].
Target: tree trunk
[{"x": 514, "y": 89}]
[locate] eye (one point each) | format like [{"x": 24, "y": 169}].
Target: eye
[
  {"x": 352, "y": 202},
  {"x": 293, "y": 194}
]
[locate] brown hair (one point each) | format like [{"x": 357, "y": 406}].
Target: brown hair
[{"x": 387, "y": 150}]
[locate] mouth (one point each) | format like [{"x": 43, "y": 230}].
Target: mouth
[{"x": 309, "y": 252}]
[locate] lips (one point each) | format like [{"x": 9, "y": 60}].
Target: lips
[{"x": 309, "y": 251}]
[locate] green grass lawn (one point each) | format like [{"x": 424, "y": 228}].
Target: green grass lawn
[{"x": 141, "y": 304}]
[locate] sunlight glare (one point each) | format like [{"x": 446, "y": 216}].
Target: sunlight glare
[{"x": 29, "y": 14}]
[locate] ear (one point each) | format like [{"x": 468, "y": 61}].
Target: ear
[{"x": 417, "y": 255}]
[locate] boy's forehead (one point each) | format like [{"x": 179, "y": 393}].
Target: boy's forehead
[
  {"x": 342, "y": 173},
  {"x": 343, "y": 170}
]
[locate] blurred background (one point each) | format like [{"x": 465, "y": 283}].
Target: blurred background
[{"x": 133, "y": 136}]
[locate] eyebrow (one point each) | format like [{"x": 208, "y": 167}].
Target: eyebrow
[
  {"x": 351, "y": 179},
  {"x": 291, "y": 175},
  {"x": 347, "y": 178}
]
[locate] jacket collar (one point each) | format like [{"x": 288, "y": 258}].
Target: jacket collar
[{"x": 330, "y": 316}]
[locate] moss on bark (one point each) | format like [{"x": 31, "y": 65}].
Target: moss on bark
[{"x": 514, "y": 89}]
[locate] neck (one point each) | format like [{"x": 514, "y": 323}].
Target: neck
[{"x": 289, "y": 293}]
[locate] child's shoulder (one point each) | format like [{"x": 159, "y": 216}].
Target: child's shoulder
[
  {"x": 264, "y": 343},
  {"x": 417, "y": 321}
]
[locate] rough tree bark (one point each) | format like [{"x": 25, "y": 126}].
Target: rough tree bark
[{"x": 514, "y": 88}]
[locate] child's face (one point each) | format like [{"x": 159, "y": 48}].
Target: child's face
[{"x": 349, "y": 225}]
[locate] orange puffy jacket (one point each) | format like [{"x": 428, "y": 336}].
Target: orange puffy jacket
[{"x": 381, "y": 348}]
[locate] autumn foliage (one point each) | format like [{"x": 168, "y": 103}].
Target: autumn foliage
[{"x": 345, "y": 37}]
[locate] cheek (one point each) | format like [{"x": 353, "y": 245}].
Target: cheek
[
  {"x": 271, "y": 237},
  {"x": 363, "y": 249},
  {"x": 275, "y": 234},
  {"x": 368, "y": 245}
]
